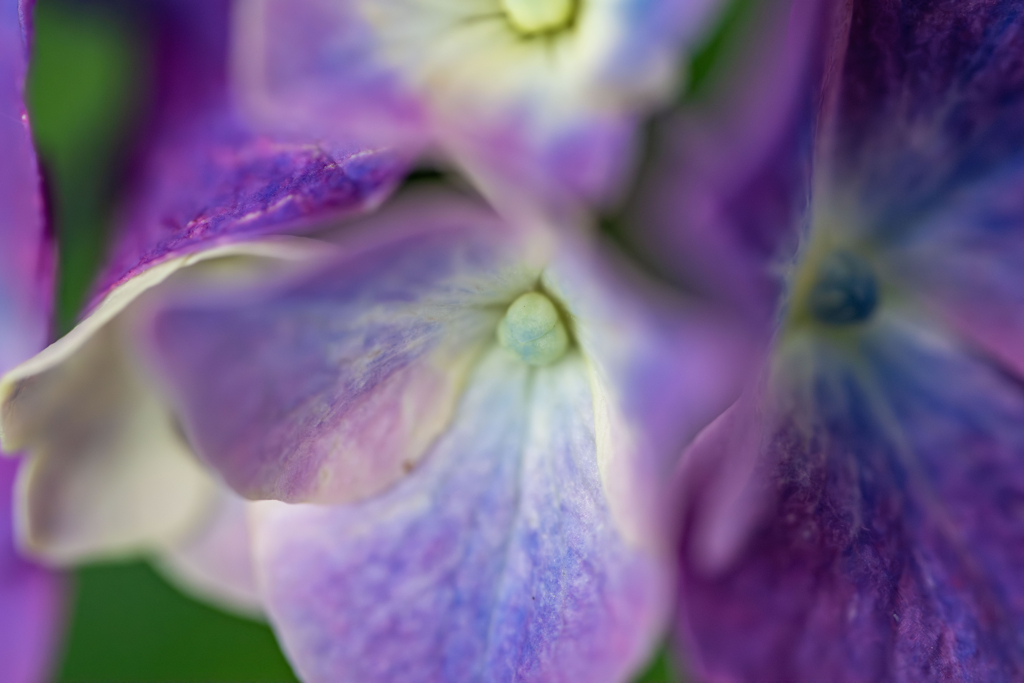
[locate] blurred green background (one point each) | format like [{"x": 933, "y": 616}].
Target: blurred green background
[{"x": 88, "y": 87}]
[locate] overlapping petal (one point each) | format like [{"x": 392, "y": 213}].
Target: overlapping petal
[
  {"x": 332, "y": 387},
  {"x": 496, "y": 560},
  {"x": 203, "y": 177},
  {"x": 872, "y": 529},
  {"x": 108, "y": 471}
]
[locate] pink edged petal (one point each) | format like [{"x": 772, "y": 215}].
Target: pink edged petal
[
  {"x": 497, "y": 559},
  {"x": 205, "y": 177},
  {"x": 214, "y": 561},
  {"x": 329, "y": 387},
  {"x": 30, "y": 602}
]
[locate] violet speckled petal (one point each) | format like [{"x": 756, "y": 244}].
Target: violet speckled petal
[
  {"x": 330, "y": 387},
  {"x": 893, "y": 550},
  {"x": 204, "y": 177},
  {"x": 30, "y": 601},
  {"x": 727, "y": 183},
  {"x": 931, "y": 100},
  {"x": 496, "y": 560}
]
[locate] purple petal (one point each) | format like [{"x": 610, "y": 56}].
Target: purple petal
[
  {"x": 29, "y": 595},
  {"x": 26, "y": 252},
  {"x": 205, "y": 177},
  {"x": 662, "y": 368},
  {"x": 727, "y": 185},
  {"x": 30, "y": 601},
  {"x": 964, "y": 262},
  {"x": 496, "y": 560},
  {"x": 892, "y": 548},
  {"x": 930, "y": 101},
  {"x": 329, "y": 388}
]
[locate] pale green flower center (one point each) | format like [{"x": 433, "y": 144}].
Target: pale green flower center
[
  {"x": 539, "y": 16},
  {"x": 533, "y": 329}
]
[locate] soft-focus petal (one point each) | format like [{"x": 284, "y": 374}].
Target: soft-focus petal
[
  {"x": 331, "y": 387},
  {"x": 660, "y": 366},
  {"x": 203, "y": 177},
  {"x": 30, "y": 608},
  {"x": 108, "y": 471},
  {"x": 893, "y": 549},
  {"x": 552, "y": 111},
  {"x": 727, "y": 182},
  {"x": 214, "y": 561},
  {"x": 497, "y": 559}
]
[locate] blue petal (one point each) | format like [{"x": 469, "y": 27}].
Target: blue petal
[
  {"x": 496, "y": 561},
  {"x": 931, "y": 99}
]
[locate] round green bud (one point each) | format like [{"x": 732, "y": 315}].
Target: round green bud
[{"x": 533, "y": 329}]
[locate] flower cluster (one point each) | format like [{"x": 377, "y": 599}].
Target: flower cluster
[{"x": 362, "y": 361}]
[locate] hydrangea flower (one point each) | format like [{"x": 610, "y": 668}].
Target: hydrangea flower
[
  {"x": 462, "y": 427},
  {"x": 29, "y": 595},
  {"x": 466, "y": 430},
  {"x": 536, "y": 97},
  {"x": 857, "y": 514},
  {"x": 107, "y": 471}
]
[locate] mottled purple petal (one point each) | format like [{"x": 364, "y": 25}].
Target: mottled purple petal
[
  {"x": 496, "y": 560},
  {"x": 932, "y": 98},
  {"x": 204, "y": 177},
  {"x": 331, "y": 387},
  {"x": 893, "y": 547}
]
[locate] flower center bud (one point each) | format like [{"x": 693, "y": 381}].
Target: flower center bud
[
  {"x": 845, "y": 290},
  {"x": 533, "y": 329},
  {"x": 538, "y": 16}
]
